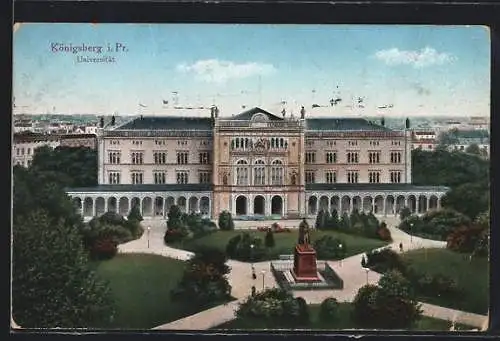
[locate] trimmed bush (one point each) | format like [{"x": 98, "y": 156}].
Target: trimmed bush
[
  {"x": 226, "y": 221},
  {"x": 328, "y": 247},
  {"x": 328, "y": 309},
  {"x": 239, "y": 247},
  {"x": 269, "y": 241},
  {"x": 103, "y": 248}
]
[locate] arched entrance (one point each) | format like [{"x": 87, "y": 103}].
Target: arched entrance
[
  {"x": 112, "y": 205},
  {"x": 193, "y": 205},
  {"x": 241, "y": 205},
  {"x": 412, "y": 203},
  {"x": 123, "y": 206},
  {"x": 367, "y": 204},
  {"x": 147, "y": 207},
  {"x": 389, "y": 205},
  {"x": 158, "y": 206},
  {"x": 277, "y": 205},
  {"x": 312, "y": 205},
  {"x": 169, "y": 202},
  {"x": 422, "y": 204},
  {"x": 205, "y": 206},
  {"x": 334, "y": 204},
  {"x": 323, "y": 203},
  {"x": 259, "y": 205},
  {"x": 99, "y": 206},
  {"x": 379, "y": 205},
  {"x": 181, "y": 202},
  {"x": 433, "y": 202},
  {"x": 88, "y": 207},
  {"x": 400, "y": 204},
  {"x": 346, "y": 204}
]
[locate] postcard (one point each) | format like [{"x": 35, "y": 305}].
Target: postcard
[{"x": 223, "y": 177}]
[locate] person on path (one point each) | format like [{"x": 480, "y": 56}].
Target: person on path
[
  {"x": 254, "y": 276},
  {"x": 401, "y": 247}
]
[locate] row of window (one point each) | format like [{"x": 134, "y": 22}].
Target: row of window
[
  {"x": 160, "y": 142},
  {"x": 353, "y": 157},
  {"x": 20, "y": 151},
  {"x": 182, "y": 177},
  {"x": 160, "y": 158},
  {"x": 353, "y": 177},
  {"x": 248, "y": 143},
  {"x": 353, "y": 143}
]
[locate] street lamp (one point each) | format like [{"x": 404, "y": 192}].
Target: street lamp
[
  {"x": 149, "y": 230},
  {"x": 367, "y": 271},
  {"x": 340, "y": 248},
  {"x": 251, "y": 260},
  {"x": 411, "y": 231},
  {"x": 263, "y": 273}
]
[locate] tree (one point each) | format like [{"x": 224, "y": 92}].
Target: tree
[
  {"x": 226, "y": 221},
  {"x": 52, "y": 282},
  {"x": 74, "y": 166},
  {"x": 390, "y": 305},
  {"x": 404, "y": 213},
  {"x": 176, "y": 225},
  {"x": 174, "y": 218},
  {"x": 319, "y": 224},
  {"x": 135, "y": 214},
  {"x": 269, "y": 241},
  {"x": 334, "y": 220},
  {"x": 240, "y": 247},
  {"x": 345, "y": 223},
  {"x": 329, "y": 247},
  {"x": 473, "y": 149},
  {"x": 469, "y": 199},
  {"x": 204, "y": 281}
]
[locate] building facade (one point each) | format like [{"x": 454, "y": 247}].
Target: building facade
[
  {"x": 24, "y": 145},
  {"x": 254, "y": 165}
]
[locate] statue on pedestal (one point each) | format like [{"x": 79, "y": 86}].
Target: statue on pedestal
[{"x": 304, "y": 238}]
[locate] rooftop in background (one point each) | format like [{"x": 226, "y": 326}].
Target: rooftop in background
[
  {"x": 34, "y": 137},
  {"x": 373, "y": 187}
]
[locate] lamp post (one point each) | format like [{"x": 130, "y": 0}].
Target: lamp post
[
  {"x": 367, "y": 271},
  {"x": 340, "y": 248},
  {"x": 411, "y": 231},
  {"x": 149, "y": 230},
  {"x": 251, "y": 260},
  {"x": 263, "y": 273}
]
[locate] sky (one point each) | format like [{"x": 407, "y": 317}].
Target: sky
[{"x": 149, "y": 69}]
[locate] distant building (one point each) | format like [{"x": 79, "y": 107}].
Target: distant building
[
  {"x": 464, "y": 138},
  {"x": 24, "y": 145},
  {"x": 91, "y": 129},
  {"x": 480, "y": 122},
  {"x": 424, "y": 139},
  {"x": 78, "y": 140}
]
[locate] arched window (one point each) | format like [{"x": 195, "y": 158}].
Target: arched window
[
  {"x": 277, "y": 173},
  {"x": 242, "y": 173},
  {"x": 259, "y": 173}
]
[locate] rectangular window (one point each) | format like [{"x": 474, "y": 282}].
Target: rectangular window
[
  {"x": 331, "y": 177},
  {"x": 137, "y": 158},
  {"x": 374, "y": 157},
  {"x": 310, "y": 177},
  {"x": 137, "y": 178},
  {"x": 352, "y": 177},
  {"x": 182, "y": 158},
  {"x": 395, "y": 177},
  {"x": 160, "y": 177},
  {"x": 374, "y": 177},
  {"x": 310, "y": 157},
  {"x": 160, "y": 158},
  {"x": 204, "y": 158},
  {"x": 205, "y": 177},
  {"x": 395, "y": 157},
  {"x": 331, "y": 157},
  {"x": 114, "y": 178},
  {"x": 114, "y": 157},
  {"x": 182, "y": 177},
  {"x": 352, "y": 157}
]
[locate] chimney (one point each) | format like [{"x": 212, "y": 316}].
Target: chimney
[
  {"x": 407, "y": 123},
  {"x": 302, "y": 113},
  {"x": 101, "y": 122},
  {"x": 113, "y": 120},
  {"x": 382, "y": 122}
]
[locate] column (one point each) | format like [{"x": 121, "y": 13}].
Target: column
[
  {"x": 249, "y": 206},
  {"x": 106, "y": 205},
  {"x": 197, "y": 208},
  {"x": 428, "y": 202},
  {"x": 94, "y": 207},
  {"x": 268, "y": 206},
  {"x": 407, "y": 202},
  {"x": 373, "y": 204},
  {"x": 417, "y": 200},
  {"x": 163, "y": 206},
  {"x": 140, "y": 205},
  {"x": 317, "y": 205},
  {"x": 384, "y": 206},
  {"x": 438, "y": 203},
  {"x": 329, "y": 205}
]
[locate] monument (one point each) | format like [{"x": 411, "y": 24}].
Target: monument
[{"x": 304, "y": 261}]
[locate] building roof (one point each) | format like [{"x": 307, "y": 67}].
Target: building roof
[
  {"x": 471, "y": 134},
  {"x": 248, "y": 114},
  {"x": 33, "y": 137},
  {"x": 145, "y": 188},
  {"x": 167, "y": 123},
  {"x": 341, "y": 123},
  {"x": 374, "y": 187}
]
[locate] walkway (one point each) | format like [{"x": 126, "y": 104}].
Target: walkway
[{"x": 349, "y": 269}]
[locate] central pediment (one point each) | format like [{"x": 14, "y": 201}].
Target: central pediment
[{"x": 257, "y": 115}]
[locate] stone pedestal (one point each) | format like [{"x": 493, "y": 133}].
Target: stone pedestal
[{"x": 304, "y": 264}]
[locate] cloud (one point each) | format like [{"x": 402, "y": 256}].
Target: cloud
[
  {"x": 425, "y": 57},
  {"x": 220, "y": 71}
]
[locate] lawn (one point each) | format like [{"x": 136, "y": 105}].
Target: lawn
[
  {"x": 343, "y": 321},
  {"x": 472, "y": 277},
  {"x": 140, "y": 285},
  {"x": 285, "y": 241}
]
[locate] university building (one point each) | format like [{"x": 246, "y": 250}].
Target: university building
[{"x": 255, "y": 165}]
